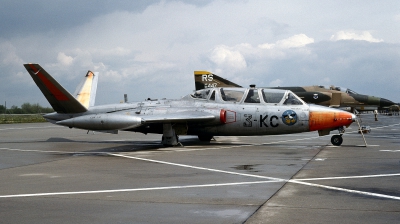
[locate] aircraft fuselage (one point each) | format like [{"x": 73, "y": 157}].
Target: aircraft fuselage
[{"x": 237, "y": 118}]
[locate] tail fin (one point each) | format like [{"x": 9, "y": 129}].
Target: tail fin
[
  {"x": 205, "y": 79},
  {"x": 86, "y": 91},
  {"x": 59, "y": 98}
]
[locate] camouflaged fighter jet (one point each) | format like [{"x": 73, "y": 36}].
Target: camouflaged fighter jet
[
  {"x": 332, "y": 96},
  {"x": 205, "y": 113}
]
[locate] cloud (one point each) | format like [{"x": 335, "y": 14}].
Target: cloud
[
  {"x": 8, "y": 54},
  {"x": 276, "y": 82},
  {"x": 296, "y": 41},
  {"x": 355, "y": 35},
  {"x": 150, "y": 48},
  {"x": 225, "y": 57},
  {"x": 64, "y": 59}
]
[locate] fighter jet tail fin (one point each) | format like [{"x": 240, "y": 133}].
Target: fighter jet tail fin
[
  {"x": 59, "y": 98},
  {"x": 86, "y": 91},
  {"x": 205, "y": 79}
]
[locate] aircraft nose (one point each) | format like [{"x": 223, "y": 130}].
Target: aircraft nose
[
  {"x": 325, "y": 118},
  {"x": 385, "y": 102},
  {"x": 353, "y": 117}
]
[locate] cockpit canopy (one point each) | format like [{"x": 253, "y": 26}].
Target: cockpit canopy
[
  {"x": 338, "y": 88},
  {"x": 248, "y": 96}
]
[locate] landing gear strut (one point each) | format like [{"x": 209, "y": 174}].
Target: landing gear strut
[{"x": 169, "y": 137}]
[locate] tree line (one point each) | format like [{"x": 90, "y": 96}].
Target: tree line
[{"x": 26, "y": 108}]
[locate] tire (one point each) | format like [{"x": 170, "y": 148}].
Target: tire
[
  {"x": 205, "y": 138},
  {"x": 168, "y": 145},
  {"x": 336, "y": 140}
]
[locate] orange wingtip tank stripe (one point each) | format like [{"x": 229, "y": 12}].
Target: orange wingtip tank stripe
[
  {"x": 321, "y": 120},
  {"x": 50, "y": 86}
]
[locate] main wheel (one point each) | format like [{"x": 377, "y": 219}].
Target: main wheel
[
  {"x": 205, "y": 138},
  {"x": 336, "y": 140},
  {"x": 169, "y": 145}
]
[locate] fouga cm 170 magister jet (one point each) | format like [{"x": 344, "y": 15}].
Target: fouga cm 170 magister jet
[{"x": 205, "y": 113}]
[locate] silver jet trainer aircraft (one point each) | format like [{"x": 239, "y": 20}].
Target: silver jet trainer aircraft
[{"x": 205, "y": 113}]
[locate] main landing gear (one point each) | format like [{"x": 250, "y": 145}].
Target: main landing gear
[{"x": 169, "y": 137}]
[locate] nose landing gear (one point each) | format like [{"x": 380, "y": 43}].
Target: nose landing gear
[{"x": 337, "y": 140}]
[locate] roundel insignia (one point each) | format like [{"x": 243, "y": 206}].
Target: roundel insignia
[
  {"x": 289, "y": 117},
  {"x": 315, "y": 96}
]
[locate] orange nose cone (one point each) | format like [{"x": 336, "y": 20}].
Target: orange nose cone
[{"x": 328, "y": 118}]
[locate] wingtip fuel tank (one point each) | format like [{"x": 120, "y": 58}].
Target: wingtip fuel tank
[{"x": 103, "y": 122}]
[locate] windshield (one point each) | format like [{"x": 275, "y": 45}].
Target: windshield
[
  {"x": 292, "y": 99},
  {"x": 272, "y": 96},
  {"x": 231, "y": 95}
]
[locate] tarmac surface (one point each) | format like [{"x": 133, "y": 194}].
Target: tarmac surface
[{"x": 52, "y": 174}]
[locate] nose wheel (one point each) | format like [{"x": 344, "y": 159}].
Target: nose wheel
[{"x": 336, "y": 140}]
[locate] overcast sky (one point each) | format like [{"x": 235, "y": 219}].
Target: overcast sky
[{"x": 151, "y": 48}]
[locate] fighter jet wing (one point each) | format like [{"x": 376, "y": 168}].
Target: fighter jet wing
[{"x": 192, "y": 116}]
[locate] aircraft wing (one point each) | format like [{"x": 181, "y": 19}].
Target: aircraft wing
[
  {"x": 187, "y": 116},
  {"x": 118, "y": 121}
]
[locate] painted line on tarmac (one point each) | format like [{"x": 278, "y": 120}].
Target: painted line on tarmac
[
  {"x": 374, "y": 128},
  {"x": 273, "y": 180},
  {"x": 31, "y": 150},
  {"x": 349, "y": 177},
  {"x": 266, "y": 177},
  {"x": 133, "y": 189},
  {"x": 388, "y": 150},
  {"x": 386, "y": 126},
  {"x": 243, "y": 144},
  {"x": 60, "y": 152},
  {"x": 53, "y": 126},
  {"x": 346, "y": 190},
  {"x": 195, "y": 167}
]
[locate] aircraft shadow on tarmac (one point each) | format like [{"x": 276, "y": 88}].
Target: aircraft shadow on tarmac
[{"x": 134, "y": 146}]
